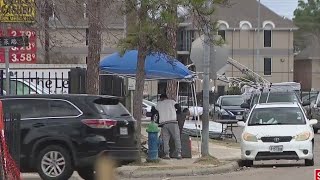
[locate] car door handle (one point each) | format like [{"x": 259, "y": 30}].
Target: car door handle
[{"x": 38, "y": 125}]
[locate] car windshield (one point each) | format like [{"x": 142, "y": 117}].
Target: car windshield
[
  {"x": 277, "y": 116},
  {"x": 232, "y": 101},
  {"x": 276, "y": 97}
]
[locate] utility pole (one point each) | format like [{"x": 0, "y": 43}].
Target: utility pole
[
  {"x": 258, "y": 42},
  {"x": 205, "y": 100}
]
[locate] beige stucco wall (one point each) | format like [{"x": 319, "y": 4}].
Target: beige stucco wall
[
  {"x": 243, "y": 46},
  {"x": 316, "y": 74}
]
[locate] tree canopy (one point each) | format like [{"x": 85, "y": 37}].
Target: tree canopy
[{"x": 307, "y": 19}]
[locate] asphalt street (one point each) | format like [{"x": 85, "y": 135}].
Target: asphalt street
[{"x": 265, "y": 170}]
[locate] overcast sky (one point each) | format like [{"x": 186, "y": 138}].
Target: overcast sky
[{"x": 282, "y": 7}]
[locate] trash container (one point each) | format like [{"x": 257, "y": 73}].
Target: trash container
[{"x": 186, "y": 148}]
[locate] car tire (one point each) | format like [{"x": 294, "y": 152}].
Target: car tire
[
  {"x": 86, "y": 173},
  {"x": 54, "y": 155},
  {"x": 309, "y": 162},
  {"x": 315, "y": 130},
  {"x": 247, "y": 163}
]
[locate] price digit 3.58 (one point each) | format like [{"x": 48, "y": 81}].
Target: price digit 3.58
[
  {"x": 29, "y": 57},
  {"x": 14, "y": 58}
]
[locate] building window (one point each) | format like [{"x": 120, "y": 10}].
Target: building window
[
  {"x": 267, "y": 66},
  {"x": 185, "y": 39},
  {"x": 87, "y": 36},
  {"x": 267, "y": 38},
  {"x": 222, "y": 33},
  {"x": 267, "y": 35}
]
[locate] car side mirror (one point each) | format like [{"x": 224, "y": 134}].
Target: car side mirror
[
  {"x": 318, "y": 105},
  {"x": 306, "y": 103},
  {"x": 216, "y": 104},
  {"x": 245, "y": 106},
  {"x": 313, "y": 122},
  {"x": 241, "y": 124}
]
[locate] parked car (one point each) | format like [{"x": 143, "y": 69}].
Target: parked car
[
  {"x": 272, "y": 97},
  {"x": 315, "y": 113},
  {"x": 63, "y": 133},
  {"x": 309, "y": 97},
  {"x": 193, "y": 109},
  {"x": 229, "y": 107},
  {"x": 147, "y": 106},
  {"x": 277, "y": 131},
  {"x": 22, "y": 87}
]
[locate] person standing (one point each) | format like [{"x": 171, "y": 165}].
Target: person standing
[{"x": 168, "y": 121}]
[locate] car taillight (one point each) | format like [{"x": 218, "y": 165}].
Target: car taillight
[{"x": 100, "y": 123}]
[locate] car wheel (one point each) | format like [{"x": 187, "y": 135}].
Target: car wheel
[
  {"x": 315, "y": 130},
  {"x": 86, "y": 173},
  {"x": 309, "y": 162},
  {"x": 54, "y": 163},
  {"x": 247, "y": 163}
]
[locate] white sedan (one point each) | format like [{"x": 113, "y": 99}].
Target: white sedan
[{"x": 277, "y": 131}]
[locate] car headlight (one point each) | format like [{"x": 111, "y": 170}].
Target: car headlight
[
  {"x": 249, "y": 137},
  {"x": 303, "y": 136},
  {"x": 224, "y": 112}
]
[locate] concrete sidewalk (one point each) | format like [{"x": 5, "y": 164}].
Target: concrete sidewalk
[
  {"x": 228, "y": 153},
  {"x": 227, "y": 156}
]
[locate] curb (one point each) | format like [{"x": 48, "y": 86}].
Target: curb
[{"x": 232, "y": 166}]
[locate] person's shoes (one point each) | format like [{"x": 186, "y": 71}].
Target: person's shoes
[
  {"x": 179, "y": 156},
  {"x": 166, "y": 157}
]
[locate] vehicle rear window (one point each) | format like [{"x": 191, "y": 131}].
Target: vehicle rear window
[
  {"x": 232, "y": 101},
  {"x": 110, "y": 107},
  {"x": 277, "y": 115},
  {"x": 276, "y": 97}
]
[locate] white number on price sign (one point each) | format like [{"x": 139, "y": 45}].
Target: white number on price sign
[
  {"x": 28, "y": 48},
  {"x": 22, "y": 58},
  {"x": 23, "y": 33}
]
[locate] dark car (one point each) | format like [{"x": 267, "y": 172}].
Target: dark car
[
  {"x": 63, "y": 133},
  {"x": 315, "y": 113},
  {"x": 228, "y": 107}
]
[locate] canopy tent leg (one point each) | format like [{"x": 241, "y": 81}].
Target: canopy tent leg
[
  {"x": 178, "y": 91},
  {"x": 195, "y": 110}
]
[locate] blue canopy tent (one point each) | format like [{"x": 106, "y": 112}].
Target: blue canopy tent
[{"x": 157, "y": 66}]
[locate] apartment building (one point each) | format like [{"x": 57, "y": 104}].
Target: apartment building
[{"x": 238, "y": 26}]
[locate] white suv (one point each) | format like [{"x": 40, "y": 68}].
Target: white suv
[{"x": 277, "y": 131}]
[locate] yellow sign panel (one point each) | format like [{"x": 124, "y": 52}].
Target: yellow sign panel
[{"x": 17, "y": 11}]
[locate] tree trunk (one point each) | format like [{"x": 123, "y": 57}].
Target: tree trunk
[
  {"x": 47, "y": 10},
  {"x": 140, "y": 73},
  {"x": 138, "y": 94},
  {"x": 172, "y": 85},
  {"x": 94, "y": 46}
]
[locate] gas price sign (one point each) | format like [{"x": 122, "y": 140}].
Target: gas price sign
[{"x": 22, "y": 54}]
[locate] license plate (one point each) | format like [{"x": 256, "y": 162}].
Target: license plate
[
  {"x": 123, "y": 131},
  {"x": 239, "y": 117},
  {"x": 276, "y": 148}
]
